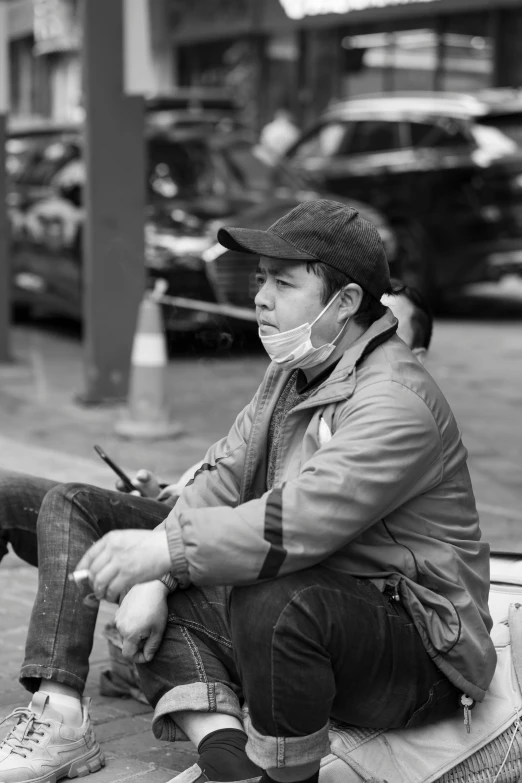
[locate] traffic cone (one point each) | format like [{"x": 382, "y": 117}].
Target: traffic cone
[{"x": 148, "y": 414}]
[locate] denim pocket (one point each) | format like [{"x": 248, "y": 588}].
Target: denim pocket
[{"x": 442, "y": 702}]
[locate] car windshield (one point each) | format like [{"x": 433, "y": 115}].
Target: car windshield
[{"x": 508, "y": 125}]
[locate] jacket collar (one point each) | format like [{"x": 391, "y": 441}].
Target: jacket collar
[
  {"x": 341, "y": 383},
  {"x": 380, "y": 331}
]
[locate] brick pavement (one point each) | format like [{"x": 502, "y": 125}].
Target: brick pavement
[{"x": 122, "y": 725}]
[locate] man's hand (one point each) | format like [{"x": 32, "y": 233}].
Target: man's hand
[
  {"x": 170, "y": 494},
  {"x": 141, "y": 620},
  {"x": 123, "y": 558},
  {"x": 146, "y": 484}
]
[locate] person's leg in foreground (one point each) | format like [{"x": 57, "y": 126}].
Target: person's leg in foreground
[
  {"x": 298, "y": 652},
  {"x": 53, "y": 737},
  {"x": 21, "y": 497}
]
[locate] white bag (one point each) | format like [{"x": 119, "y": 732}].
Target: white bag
[{"x": 427, "y": 754}]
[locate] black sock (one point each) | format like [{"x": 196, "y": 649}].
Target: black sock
[
  {"x": 222, "y": 756},
  {"x": 312, "y": 779}
]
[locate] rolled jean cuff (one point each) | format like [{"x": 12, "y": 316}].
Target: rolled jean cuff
[
  {"x": 274, "y": 752},
  {"x": 31, "y": 674},
  {"x": 196, "y": 697}
]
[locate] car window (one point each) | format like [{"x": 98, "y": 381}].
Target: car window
[
  {"x": 323, "y": 142},
  {"x": 373, "y": 136},
  {"x": 445, "y": 133}
]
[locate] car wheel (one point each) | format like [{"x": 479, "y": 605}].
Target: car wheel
[{"x": 414, "y": 263}]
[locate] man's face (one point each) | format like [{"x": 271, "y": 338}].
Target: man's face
[
  {"x": 403, "y": 311},
  {"x": 289, "y": 296}
]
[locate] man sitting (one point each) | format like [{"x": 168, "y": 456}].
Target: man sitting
[{"x": 339, "y": 508}]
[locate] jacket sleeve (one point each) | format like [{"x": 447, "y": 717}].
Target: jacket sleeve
[{"x": 386, "y": 449}]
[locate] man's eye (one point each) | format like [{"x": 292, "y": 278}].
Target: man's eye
[
  {"x": 259, "y": 281},
  {"x": 282, "y": 283}
]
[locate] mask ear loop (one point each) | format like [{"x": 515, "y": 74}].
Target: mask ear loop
[
  {"x": 332, "y": 300},
  {"x": 343, "y": 327}
]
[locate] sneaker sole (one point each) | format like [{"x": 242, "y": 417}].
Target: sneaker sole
[{"x": 79, "y": 768}]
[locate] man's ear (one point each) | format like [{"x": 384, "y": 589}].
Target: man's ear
[
  {"x": 351, "y": 298},
  {"x": 420, "y": 353}
]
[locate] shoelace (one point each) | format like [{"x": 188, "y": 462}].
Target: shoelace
[{"x": 23, "y": 731}]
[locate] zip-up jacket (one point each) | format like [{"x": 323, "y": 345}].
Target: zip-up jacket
[{"x": 371, "y": 480}]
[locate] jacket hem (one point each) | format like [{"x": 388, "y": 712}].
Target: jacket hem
[{"x": 458, "y": 680}]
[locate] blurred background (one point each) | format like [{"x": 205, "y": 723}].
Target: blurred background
[{"x": 131, "y": 130}]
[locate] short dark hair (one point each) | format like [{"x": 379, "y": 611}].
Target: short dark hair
[
  {"x": 333, "y": 280},
  {"x": 422, "y": 317}
]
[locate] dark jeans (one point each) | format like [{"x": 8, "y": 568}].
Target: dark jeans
[{"x": 299, "y": 650}]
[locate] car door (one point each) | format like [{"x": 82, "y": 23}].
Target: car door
[{"x": 445, "y": 190}]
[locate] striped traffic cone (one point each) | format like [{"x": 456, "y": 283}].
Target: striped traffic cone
[{"x": 148, "y": 414}]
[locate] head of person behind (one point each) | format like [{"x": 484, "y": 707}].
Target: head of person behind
[
  {"x": 414, "y": 315},
  {"x": 322, "y": 272}
]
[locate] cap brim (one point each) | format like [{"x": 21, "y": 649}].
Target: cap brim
[{"x": 261, "y": 243}]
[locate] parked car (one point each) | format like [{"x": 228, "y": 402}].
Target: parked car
[
  {"x": 198, "y": 178},
  {"x": 501, "y": 108},
  {"x": 439, "y": 167}
]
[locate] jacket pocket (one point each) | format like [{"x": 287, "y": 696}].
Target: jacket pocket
[{"x": 435, "y": 617}]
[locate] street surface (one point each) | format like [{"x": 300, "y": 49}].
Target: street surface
[{"x": 476, "y": 358}]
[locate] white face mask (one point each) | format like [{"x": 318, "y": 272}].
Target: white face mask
[{"x": 293, "y": 348}]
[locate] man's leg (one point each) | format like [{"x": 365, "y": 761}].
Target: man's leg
[
  {"x": 194, "y": 686},
  {"x": 20, "y": 499},
  {"x": 71, "y": 518},
  {"x": 316, "y": 645}
]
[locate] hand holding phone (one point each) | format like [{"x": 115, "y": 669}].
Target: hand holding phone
[{"x": 129, "y": 486}]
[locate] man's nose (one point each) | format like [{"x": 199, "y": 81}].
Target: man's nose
[{"x": 263, "y": 298}]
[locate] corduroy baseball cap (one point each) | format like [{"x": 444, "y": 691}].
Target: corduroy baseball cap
[{"x": 323, "y": 231}]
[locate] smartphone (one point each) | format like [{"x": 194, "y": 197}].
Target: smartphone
[{"x": 129, "y": 486}]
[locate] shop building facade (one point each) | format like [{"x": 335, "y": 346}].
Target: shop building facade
[
  {"x": 45, "y": 72},
  {"x": 45, "y": 58},
  {"x": 302, "y": 54}
]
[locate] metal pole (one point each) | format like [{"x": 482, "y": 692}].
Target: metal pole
[
  {"x": 5, "y": 275},
  {"x": 114, "y": 269}
]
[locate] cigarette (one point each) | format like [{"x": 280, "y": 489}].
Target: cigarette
[{"x": 79, "y": 576}]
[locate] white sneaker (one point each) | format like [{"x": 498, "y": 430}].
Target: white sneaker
[{"x": 40, "y": 748}]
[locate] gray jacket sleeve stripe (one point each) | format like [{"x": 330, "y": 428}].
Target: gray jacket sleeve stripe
[
  {"x": 202, "y": 468},
  {"x": 274, "y": 535}
]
